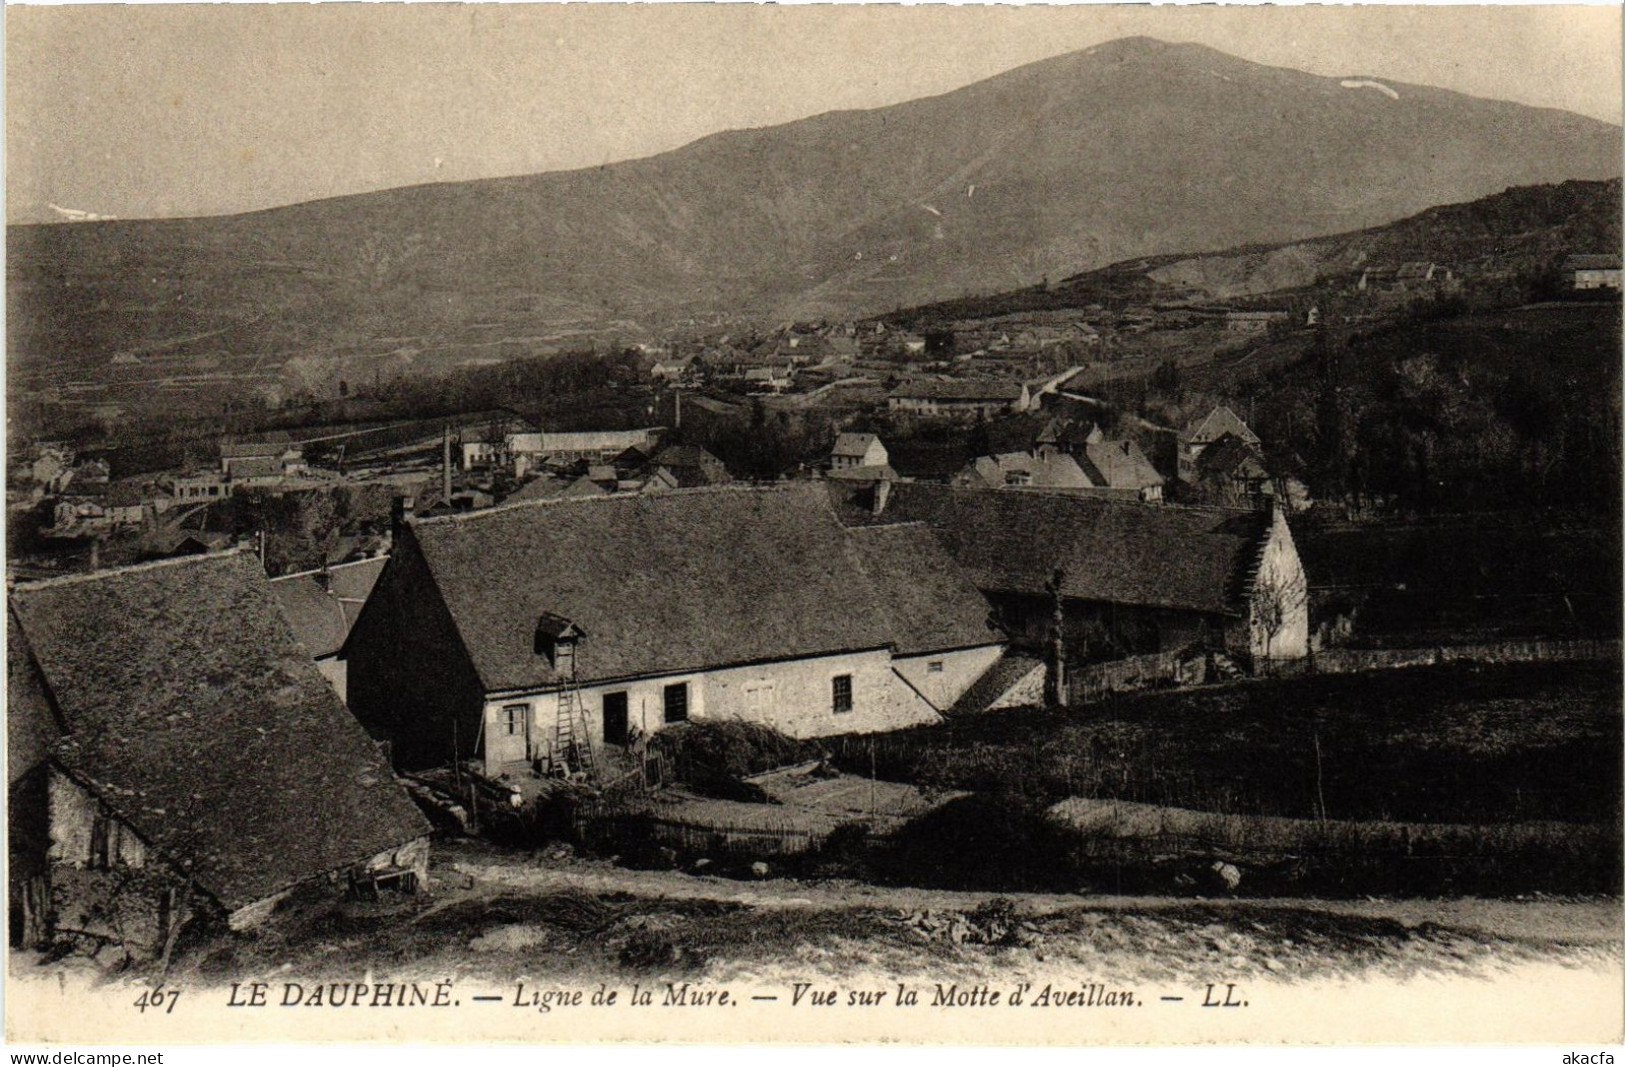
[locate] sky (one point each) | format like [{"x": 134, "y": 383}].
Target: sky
[{"x": 158, "y": 110}]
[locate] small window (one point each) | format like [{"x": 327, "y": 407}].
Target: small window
[
  {"x": 513, "y": 719},
  {"x": 934, "y": 667},
  {"x": 677, "y": 702},
  {"x": 841, "y": 686},
  {"x": 759, "y": 697},
  {"x": 615, "y": 721},
  {"x": 102, "y": 849}
]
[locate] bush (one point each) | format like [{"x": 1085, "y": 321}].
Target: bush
[{"x": 712, "y": 757}]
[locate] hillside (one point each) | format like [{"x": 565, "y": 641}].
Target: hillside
[
  {"x": 1525, "y": 231},
  {"x": 1132, "y": 148}
]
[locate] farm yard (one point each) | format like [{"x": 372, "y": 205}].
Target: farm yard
[{"x": 1423, "y": 781}]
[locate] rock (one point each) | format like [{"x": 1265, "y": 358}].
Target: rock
[
  {"x": 701, "y": 865},
  {"x": 759, "y": 869},
  {"x": 1228, "y": 873}
]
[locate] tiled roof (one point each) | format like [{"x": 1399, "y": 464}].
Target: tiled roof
[
  {"x": 194, "y": 714},
  {"x": 1117, "y": 552},
  {"x": 853, "y": 444},
  {"x": 321, "y": 617},
  {"x": 1228, "y": 456},
  {"x": 930, "y": 603},
  {"x": 1121, "y": 465},
  {"x": 1220, "y": 421},
  {"x": 1053, "y": 470},
  {"x": 1607, "y": 261},
  {"x": 683, "y": 580}
]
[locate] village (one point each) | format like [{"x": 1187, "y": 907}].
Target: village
[{"x": 326, "y": 668}]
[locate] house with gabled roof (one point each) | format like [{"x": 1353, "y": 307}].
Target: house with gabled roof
[
  {"x": 1133, "y": 578},
  {"x": 321, "y": 606},
  {"x": 1039, "y": 469},
  {"x": 185, "y": 757},
  {"x": 1208, "y": 429},
  {"x": 729, "y": 602},
  {"x": 1593, "y": 271},
  {"x": 1234, "y": 470},
  {"x": 1122, "y": 465},
  {"x": 858, "y": 450}
]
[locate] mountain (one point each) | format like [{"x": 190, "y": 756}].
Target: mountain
[{"x": 1127, "y": 149}]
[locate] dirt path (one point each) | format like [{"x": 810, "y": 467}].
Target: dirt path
[{"x": 1593, "y": 921}]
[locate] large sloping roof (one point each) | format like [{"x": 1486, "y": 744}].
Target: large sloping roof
[
  {"x": 930, "y": 604},
  {"x": 193, "y": 713},
  {"x": 1147, "y": 555},
  {"x": 322, "y": 606},
  {"x": 676, "y": 581}
]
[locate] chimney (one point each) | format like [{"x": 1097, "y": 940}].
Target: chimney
[
  {"x": 882, "y": 495},
  {"x": 400, "y": 510}
]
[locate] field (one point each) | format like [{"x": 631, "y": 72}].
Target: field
[
  {"x": 1438, "y": 744},
  {"x": 1456, "y": 578}
]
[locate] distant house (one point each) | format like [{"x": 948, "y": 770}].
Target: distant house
[
  {"x": 1378, "y": 278},
  {"x": 692, "y": 466},
  {"x": 1593, "y": 271},
  {"x": 52, "y": 468},
  {"x": 1133, "y": 578},
  {"x": 1235, "y": 470},
  {"x": 672, "y": 370},
  {"x": 958, "y": 398},
  {"x": 261, "y": 461},
  {"x": 182, "y": 757},
  {"x": 1253, "y": 322},
  {"x": 192, "y": 488},
  {"x": 774, "y": 378},
  {"x": 1024, "y": 470},
  {"x": 322, "y": 605},
  {"x": 1122, "y": 465},
  {"x": 857, "y": 450},
  {"x": 1421, "y": 272},
  {"x": 527, "y": 451},
  {"x": 1205, "y": 431},
  {"x": 512, "y": 635}
]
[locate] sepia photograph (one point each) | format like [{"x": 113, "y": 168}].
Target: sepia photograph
[{"x": 733, "y": 524}]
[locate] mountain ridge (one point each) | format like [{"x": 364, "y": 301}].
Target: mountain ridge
[{"x": 1132, "y": 147}]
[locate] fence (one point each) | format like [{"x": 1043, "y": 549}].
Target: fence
[
  {"x": 1136, "y": 842},
  {"x": 1161, "y": 669},
  {"x": 1168, "y": 669},
  {"x": 1350, "y": 660}
]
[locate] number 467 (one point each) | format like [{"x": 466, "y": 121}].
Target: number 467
[{"x": 158, "y": 999}]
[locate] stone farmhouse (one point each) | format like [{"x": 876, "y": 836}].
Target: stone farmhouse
[
  {"x": 174, "y": 752},
  {"x": 1133, "y": 578},
  {"x": 512, "y": 635}
]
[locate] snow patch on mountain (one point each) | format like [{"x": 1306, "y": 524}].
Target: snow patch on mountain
[{"x": 1367, "y": 83}]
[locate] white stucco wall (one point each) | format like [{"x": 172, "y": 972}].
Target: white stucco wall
[
  {"x": 1281, "y": 578},
  {"x": 960, "y": 670},
  {"x": 793, "y": 696}
]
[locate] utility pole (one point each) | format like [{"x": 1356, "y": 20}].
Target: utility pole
[{"x": 1055, "y": 677}]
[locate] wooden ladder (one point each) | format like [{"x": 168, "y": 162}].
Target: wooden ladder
[{"x": 572, "y": 747}]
